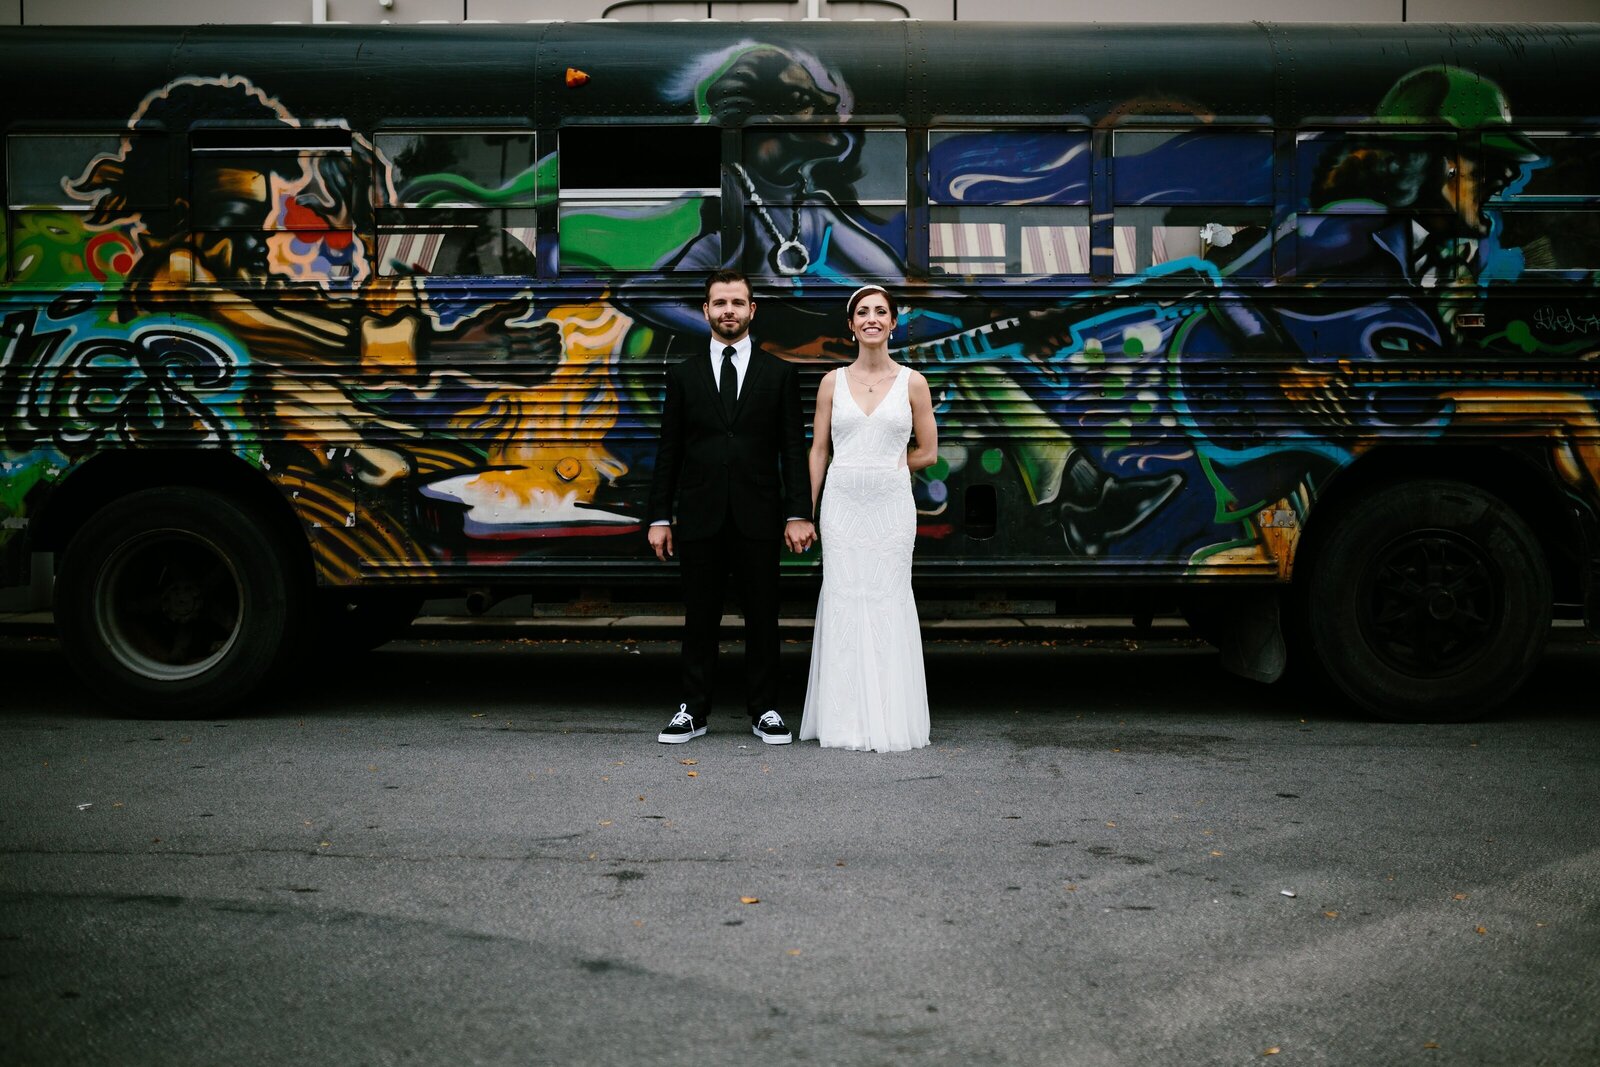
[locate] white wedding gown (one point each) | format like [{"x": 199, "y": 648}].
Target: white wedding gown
[{"x": 867, "y": 689}]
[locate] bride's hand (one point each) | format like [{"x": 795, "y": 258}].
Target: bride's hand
[{"x": 799, "y": 535}]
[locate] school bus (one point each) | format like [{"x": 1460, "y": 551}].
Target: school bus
[{"x": 1296, "y": 326}]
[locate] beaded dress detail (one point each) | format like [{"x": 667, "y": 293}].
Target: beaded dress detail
[{"x": 867, "y": 689}]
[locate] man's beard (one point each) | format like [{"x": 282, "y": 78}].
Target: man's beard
[{"x": 727, "y": 332}]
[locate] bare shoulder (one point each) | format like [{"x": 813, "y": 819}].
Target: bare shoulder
[
  {"x": 918, "y": 383},
  {"x": 825, "y": 387}
]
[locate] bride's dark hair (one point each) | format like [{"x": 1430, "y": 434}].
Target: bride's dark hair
[{"x": 855, "y": 298}]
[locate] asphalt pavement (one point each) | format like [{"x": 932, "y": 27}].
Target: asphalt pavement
[{"x": 474, "y": 852}]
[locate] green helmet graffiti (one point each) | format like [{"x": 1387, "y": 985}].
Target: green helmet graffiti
[{"x": 1458, "y": 98}]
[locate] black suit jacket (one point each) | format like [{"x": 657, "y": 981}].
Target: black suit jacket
[{"x": 751, "y": 468}]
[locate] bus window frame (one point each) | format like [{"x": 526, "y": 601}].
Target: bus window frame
[
  {"x": 233, "y": 140},
  {"x": 614, "y": 197},
  {"x": 923, "y": 185},
  {"x": 383, "y": 208},
  {"x": 1518, "y": 205},
  {"x": 1154, "y": 124},
  {"x": 736, "y": 182},
  {"x": 151, "y": 133}
]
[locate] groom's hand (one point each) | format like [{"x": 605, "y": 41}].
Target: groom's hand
[
  {"x": 661, "y": 541},
  {"x": 799, "y": 535}
]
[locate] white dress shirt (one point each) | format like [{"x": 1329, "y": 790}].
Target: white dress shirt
[{"x": 741, "y": 359}]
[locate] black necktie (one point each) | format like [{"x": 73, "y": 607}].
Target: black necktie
[{"x": 728, "y": 382}]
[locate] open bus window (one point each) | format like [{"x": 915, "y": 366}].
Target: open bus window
[
  {"x": 1196, "y": 195},
  {"x": 1550, "y": 206},
  {"x": 812, "y": 191},
  {"x": 1008, "y": 202},
  {"x": 285, "y": 201},
  {"x": 458, "y": 203},
  {"x": 636, "y": 198},
  {"x": 73, "y": 209}
]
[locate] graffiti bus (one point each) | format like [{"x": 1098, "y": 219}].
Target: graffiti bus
[{"x": 1297, "y": 326}]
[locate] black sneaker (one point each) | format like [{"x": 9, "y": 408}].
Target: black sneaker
[
  {"x": 770, "y": 728},
  {"x": 683, "y": 727}
]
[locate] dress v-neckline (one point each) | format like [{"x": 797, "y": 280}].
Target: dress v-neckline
[{"x": 864, "y": 412}]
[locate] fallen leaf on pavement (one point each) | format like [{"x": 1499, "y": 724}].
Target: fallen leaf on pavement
[
  {"x": 688, "y": 762},
  {"x": 605, "y": 822},
  {"x": 1482, "y": 930},
  {"x": 694, "y": 774},
  {"x": 749, "y": 900},
  {"x": 1459, "y": 896},
  {"x": 1273, "y": 1051},
  {"x": 1331, "y": 914}
]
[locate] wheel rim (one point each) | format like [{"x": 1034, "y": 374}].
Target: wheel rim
[
  {"x": 1431, "y": 603},
  {"x": 169, "y": 605}
]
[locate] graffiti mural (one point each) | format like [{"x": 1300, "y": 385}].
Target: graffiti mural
[{"x": 1158, "y": 344}]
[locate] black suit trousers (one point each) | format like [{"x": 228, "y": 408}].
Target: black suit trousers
[{"x": 706, "y": 565}]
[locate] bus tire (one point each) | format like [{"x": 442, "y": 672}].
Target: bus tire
[
  {"x": 175, "y": 602},
  {"x": 1429, "y": 602}
]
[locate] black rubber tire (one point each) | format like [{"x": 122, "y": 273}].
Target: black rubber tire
[
  {"x": 353, "y": 621},
  {"x": 1429, "y": 601},
  {"x": 175, "y": 602}
]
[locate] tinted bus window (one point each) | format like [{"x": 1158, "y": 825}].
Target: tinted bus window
[
  {"x": 635, "y": 198},
  {"x": 1551, "y": 204},
  {"x": 457, "y": 203},
  {"x": 1192, "y": 194},
  {"x": 1009, "y": 202},
  {"x": 64, "y": 195},
  {"x": 1383, "y": 206},
  {"x": 795, "y": 181},
  {"x": 279, "y": 201}
]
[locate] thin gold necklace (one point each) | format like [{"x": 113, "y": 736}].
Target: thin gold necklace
[{"x": 873, "y": 384}]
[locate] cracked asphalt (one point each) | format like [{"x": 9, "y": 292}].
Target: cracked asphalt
[{"x": 459, "y": 852}]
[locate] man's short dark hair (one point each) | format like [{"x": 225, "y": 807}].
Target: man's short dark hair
[{"x": 720, "y": 277}]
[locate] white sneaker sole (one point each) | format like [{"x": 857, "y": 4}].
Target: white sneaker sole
[
  {"x": 678, "y": 739},
  {"x": 768, "y": 740}
]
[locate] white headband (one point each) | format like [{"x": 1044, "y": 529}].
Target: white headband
[{"x": 865, "y": 289}]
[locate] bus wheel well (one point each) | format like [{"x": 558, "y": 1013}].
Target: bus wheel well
[
  {"x": 1528, "y": 487},
  {"x": 113, "y": 475}
]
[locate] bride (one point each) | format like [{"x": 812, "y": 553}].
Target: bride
[{"x": 867, "y": 689}]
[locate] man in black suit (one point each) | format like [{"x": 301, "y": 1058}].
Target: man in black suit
[{"x": 732, "y": 453}]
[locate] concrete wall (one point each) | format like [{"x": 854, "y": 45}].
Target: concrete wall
[{"x": 182, "y": 12}]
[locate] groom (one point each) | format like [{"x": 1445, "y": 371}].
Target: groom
[{"x": 732, "y": 453}]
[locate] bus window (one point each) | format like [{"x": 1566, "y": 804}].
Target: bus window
[
  {"x": 287, "y": 201},
  {"x": 1192, "y": 195},
  {"x": 457, "y": 203},
  {"x": 636, "y": 198},
  {"x": 1551, "y": 202},
  {"x": 61, "y": 223},
  {"x": 811, "y": 190},
  {"x": 1385, "y": 206},
  {"x": 1008, "y": 202}
]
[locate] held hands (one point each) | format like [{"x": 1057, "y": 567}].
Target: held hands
[
  {"x": 661, "y": 541},
  {"x": 799, "y": 535}
]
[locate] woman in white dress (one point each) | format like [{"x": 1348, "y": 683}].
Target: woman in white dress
[{"x": 867, "y": 689}]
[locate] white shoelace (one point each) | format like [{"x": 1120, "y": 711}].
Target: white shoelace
[
  {"x": 770, "y": 718},
  {"x": 682, "y": 718}
]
